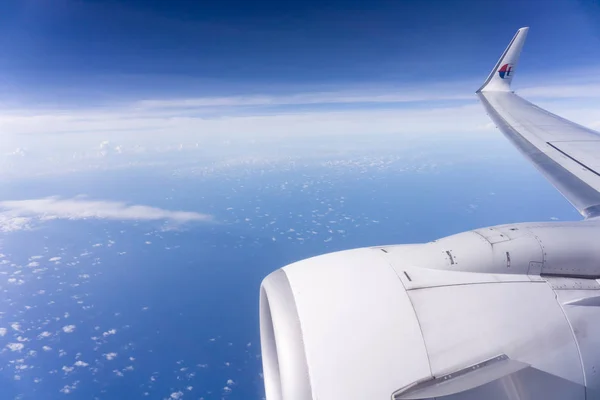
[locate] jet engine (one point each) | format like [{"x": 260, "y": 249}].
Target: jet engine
[{"x": 506, "y": 312}]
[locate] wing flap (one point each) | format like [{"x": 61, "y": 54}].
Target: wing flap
[{"x": 583, "y": 152}]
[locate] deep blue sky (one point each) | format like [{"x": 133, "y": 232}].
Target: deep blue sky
[{"x": 152, "y": 48}]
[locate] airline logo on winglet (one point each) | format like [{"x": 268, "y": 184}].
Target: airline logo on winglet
[{"x": 505, "y": 71}]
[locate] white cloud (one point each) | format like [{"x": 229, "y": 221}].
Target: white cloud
[
  {"x": 17, "y": 152},
  {"x": 394, "y": 95},
  {"x": 2, "y": 331},
  {"x": 80, "y": 363},
  {"x": 44, "y": 334},
  {"x": 109, "y": 332},
  {"x": 68, "y": 328},
  {"x": 15, "y": 346},
  {"x": 562, "y": 91},
  {"x": 143, "y": 136},
  {"x": 77, "y": 208},
  {"x": 176, "y": 395},
  {"x": 121, "y": 135},
  {"x": 11, "y": 224},
  {"x": 110, "y": 356},
  {"x": 69, "y": 388}
]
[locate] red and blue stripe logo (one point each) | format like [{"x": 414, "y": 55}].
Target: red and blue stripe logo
[{"x": 505, "y": 71}]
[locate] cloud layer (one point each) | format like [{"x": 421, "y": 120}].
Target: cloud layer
[
  {"x": 40, "y": 140},
  {"x": 22, "y": 214}
]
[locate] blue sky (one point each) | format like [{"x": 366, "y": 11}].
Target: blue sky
[
  {"x": 96, "y": 50},
  {"x": 107, "y": 84}
]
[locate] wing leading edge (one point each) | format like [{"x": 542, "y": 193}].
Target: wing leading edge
[{"x": 566, "y": 153}]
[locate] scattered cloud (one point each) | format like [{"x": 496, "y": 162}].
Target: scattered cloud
[
  {"x": 10, "y": 223},
  {"x": 109, "y": 332},
  {"x": 15, "y": 346},
  {"x": 78, "y": 208},
  {"x": 80, "y": 363},
  {"x": 69, "y": 388},
  {"x": 110, "y": 356},
  {"x": 67, "y": 369},
  {"x": 68, "y": 328},
  {"x": 44, "y": 334}
]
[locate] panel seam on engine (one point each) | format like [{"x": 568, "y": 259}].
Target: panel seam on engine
[
  {"x": 414, "y": 312},
  {"x": 472, "y": 283},
  {"x": 564, "y": 313}
]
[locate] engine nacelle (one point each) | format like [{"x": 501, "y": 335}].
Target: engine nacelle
[
  {"x": 448, "y": 318},
  {"x": 559, "y": 248}
]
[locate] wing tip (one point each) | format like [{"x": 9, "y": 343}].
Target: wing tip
[{"x": 501, "y": 76}]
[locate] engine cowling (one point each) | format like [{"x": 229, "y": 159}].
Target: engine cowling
[
  {"x": 330, "y": 327},
  {"x": 392, "y": 322}
]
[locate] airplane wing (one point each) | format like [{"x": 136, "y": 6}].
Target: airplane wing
[
  {"x": 509, "y": 311},
  {"x": 566, "y": 153}
]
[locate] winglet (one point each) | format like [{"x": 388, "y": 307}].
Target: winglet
[{"x": 501, "y": 76}]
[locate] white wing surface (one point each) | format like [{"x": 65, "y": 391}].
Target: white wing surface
[{"x": 566, "y": 153}]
